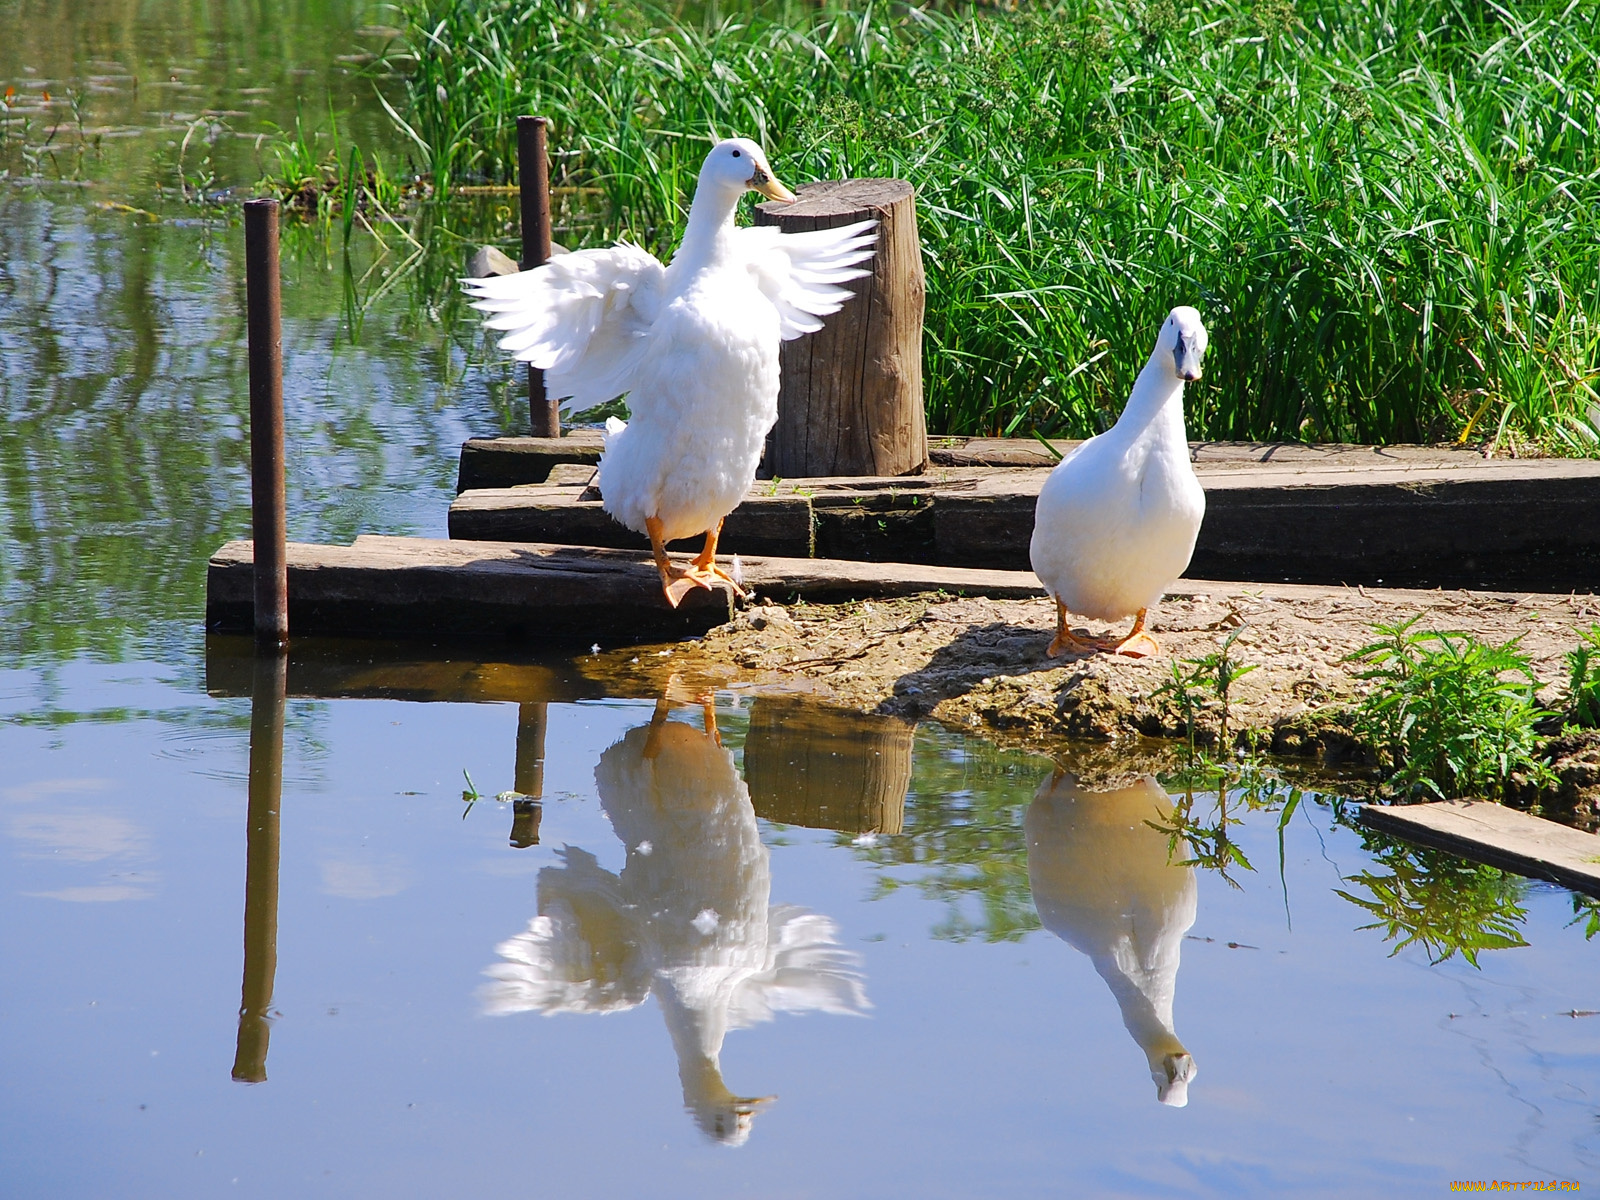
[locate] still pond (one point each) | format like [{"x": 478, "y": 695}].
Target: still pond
[{"x": 754, "y": 948}]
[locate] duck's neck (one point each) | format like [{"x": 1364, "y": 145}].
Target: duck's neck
[
  {"x": 708, "y": 238},
  {"x": 1155, "y": 409}
]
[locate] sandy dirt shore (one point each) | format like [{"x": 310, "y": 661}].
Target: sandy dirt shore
[{"x": 981, "y": 664}]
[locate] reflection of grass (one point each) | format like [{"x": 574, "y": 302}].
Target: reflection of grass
[
  {"x": 1442, "y": 903},
  {"x": 1382, "y": 211},
  {"x": 963, "y": 841}
]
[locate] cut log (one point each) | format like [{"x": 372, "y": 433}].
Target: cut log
[
  {"x": 850, "y": 400},
  {"x": 1499, "y": 836},
  {"x": 825, "y": 768}
]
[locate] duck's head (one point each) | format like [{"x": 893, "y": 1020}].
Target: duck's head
[
  {"x": 738, "y": 165},
  {"x": 1183, "y": 337}
]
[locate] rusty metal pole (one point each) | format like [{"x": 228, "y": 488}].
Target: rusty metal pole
[
  {"x": 533, "y": 181},
  {"x": 269, "y": 524}
]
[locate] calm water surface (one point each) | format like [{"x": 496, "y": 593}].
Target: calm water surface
[{"x": 756, "y": 951}]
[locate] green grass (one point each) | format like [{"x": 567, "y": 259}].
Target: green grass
[
  {"x": 1383, "y": 208},
  {"x": 1583, "y": 682},
  {"x": 1454, "y": 717}
]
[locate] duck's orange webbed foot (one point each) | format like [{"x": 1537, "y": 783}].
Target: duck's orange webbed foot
[
  {"x": 1065, "y": 641},
  {"x": 676, "y": 582},
  {"x": 705, "y": 566},
  {"x": 1138, "y": 643}
]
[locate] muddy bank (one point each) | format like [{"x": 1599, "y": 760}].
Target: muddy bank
[{"x": 980, "y": 664}]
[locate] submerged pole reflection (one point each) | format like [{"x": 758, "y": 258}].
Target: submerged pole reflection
[
  {"x": 526, "y": 812},
  {"x": 269, "y": 689}
]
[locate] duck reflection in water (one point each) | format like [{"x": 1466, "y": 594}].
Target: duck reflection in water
[
  {"x": 687, "y": 919},
  {"x": 1103, "y": 883}
]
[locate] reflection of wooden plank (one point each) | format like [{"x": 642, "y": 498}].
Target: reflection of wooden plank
[
  {"x": 557, "y": 514},
  {"x": 826, "y": 768},
  {"x": 359, "y": 669},
  {"x": 1499, "y": 836}
]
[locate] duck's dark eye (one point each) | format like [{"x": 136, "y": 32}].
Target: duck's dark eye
[{"x": 736, "y": 154}]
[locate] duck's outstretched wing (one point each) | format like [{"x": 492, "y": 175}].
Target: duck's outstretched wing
[
  {"x": 801, "y": 272},
  {"x": 583, "y": 317},
  {"x": 578, "y": 955},
  {"x": 806, "y": 971}
]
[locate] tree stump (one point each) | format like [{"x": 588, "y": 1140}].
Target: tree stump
[
  {"x": 850, "y": 400},
  {"x": 826, "y": 769}
]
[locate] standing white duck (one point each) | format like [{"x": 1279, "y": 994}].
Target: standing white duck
[
  {"x": 689, "y": 919},
  {"x": 1104, "y": 883},
  {"x": 694, "y": 345},
  {"x": 1116, "y": 521}
]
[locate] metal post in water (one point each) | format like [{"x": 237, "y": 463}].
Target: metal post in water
[
  {"x": 269, "y": 524},
  {"x": 533, "y": 181},
  {"x": 269, "y": 688}
]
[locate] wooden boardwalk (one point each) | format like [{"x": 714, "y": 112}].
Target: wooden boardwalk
[
  {"x": 1396, "y": 517},
  {"x": 1499, "y": 836}
]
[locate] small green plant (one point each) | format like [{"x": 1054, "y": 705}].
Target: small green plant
[
  {"x": 1587, "y": 910},
  {"x": 1451, "y": 715},
  {"x": 1207, "y": 684},
  {"x": 1583, "y": 688},
  {"x": 469, "y": 794}
]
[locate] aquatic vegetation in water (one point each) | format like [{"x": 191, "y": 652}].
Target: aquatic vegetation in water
[
  {"x": 1583, "y": 687},
  {"x": 1444, "y": 904},
  {"x": 1381, "y": 210},
  {"x": 1451, "y": 715}
]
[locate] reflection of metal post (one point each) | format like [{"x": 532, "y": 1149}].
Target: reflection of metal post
[
  {"x": 269, "y": 688},
  {"x": 529, "y": 778}
]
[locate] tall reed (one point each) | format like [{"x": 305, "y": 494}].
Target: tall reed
[{"x": 1384, "y": 208}]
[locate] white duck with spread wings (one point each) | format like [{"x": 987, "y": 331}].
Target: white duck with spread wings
[{"x": 693, "y": 345}]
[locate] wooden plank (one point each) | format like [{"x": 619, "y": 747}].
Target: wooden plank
[
  {"x": 418, "y": 587},
  {"x": 1502, "y": 837},
  {"x": 508, "y": 462},
  {"x": 763, "y": 524},
  {"x": 399, "y": 587}
]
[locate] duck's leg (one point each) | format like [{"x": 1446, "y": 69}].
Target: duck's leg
[
  {"x": 652, "y": 741},
  {"x": 1138, "y": 643},
  {"x": 676, "y": 582},
  {"x": 705, "y": 563},
  {"x": 1065, "y": 640}
]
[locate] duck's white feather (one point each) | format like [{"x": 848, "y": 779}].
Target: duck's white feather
[
  {"x": 693, "y": 346},
  {"x": 1116, "y": 522},
  {"x": 584, "y": 318}
]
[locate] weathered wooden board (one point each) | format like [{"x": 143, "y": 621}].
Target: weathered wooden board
[
  {"x": 1350, "y": 516},
  {"x": 417, "y": 587},
  {"x": 509, "y": 461},
  {"x": 560, "y": 515},
  {"x": 1499, "y": 836},
  {"x": 823, "y": 768},
  {"x": 380, "y": 587}
]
